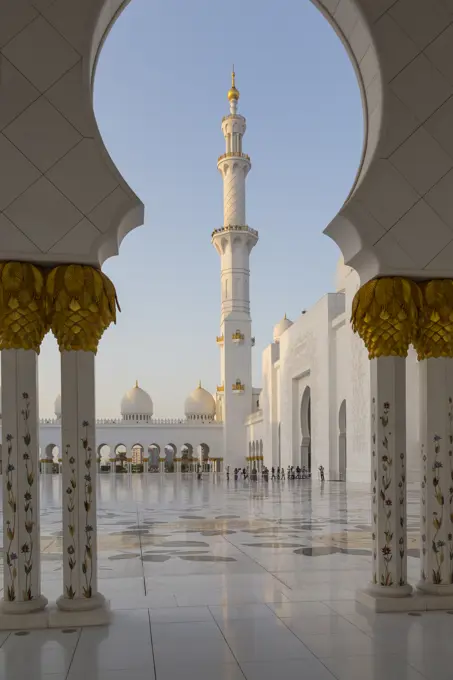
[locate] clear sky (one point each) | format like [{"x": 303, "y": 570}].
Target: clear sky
[{"x": 160, "y": 94}]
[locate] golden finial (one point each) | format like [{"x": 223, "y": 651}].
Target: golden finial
[
  {"x": 285, "y": 316},
  {"x": 199, "y": 384},
  {"x": 233, "y": 93},
  {"x": 136, "y": 383}
]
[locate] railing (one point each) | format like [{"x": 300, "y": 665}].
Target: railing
[
  {"x": 141, "y": 423},
  {"x": 232, "y": 115},
  {"x": 220, "y": 339},
  {"x": 237, "y": 227},
  {"x": 238, "y": 336},
  {"x": 220, "y": 388},
  {"x": 233, "y": 154}
]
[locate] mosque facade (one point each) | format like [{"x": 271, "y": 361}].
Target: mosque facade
[{"x": 314, "y": 405}]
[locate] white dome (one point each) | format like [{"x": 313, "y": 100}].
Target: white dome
[
  {"x": 281, "y": 327},
  {"x": 341, "y": 274},
  {"x": 200, "y": 402},
  {"x": 57, "y": 406},
  {"x": 137, "y": 402}
]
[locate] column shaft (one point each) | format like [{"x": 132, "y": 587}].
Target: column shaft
[
  {"x": 436, "y": 434},
  {"x": 388, "y": 446},
  {"x": 20, "y": 446},
  {"x": 79, "y": 483}
]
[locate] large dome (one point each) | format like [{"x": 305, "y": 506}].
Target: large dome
[
  {"x": 281, "y": 327},
  {"x": 137, "y": 404},
  {"x": 57, "y": 406},
  {"x": 200, "y": 404}
]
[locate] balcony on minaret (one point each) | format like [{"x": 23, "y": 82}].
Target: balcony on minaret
[
  {"x": 220, "y": 339},
  {"x": 233, "y": 154},
  {"x": 238, "y": 387},
  {"x": 231, "y": 227},
  {"x": 220, "y": 388},
  {"x": 238, "y": 337}
]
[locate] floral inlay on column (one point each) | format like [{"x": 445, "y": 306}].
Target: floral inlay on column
[
  {"x": 28, "y": 547},
  {"x": 11, "y": 557},
  {"x": 437, "y": 545},
  {"x": 71, "y": 550},
  {"x": 374, "y": 473},
  {"x": 87, "y": 564},
  {"x": 386, "y": 578},
  {"x": 436, "y": 516}
]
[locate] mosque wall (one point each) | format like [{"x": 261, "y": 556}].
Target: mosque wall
[
  {"x": 116, "y": 434},
  {"x": 305, "y": 372}
]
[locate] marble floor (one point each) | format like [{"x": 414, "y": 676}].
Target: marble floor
[{"x": 212, "y": 580}]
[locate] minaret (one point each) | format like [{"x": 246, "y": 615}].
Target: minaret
[{"x": 234, "y": 242}]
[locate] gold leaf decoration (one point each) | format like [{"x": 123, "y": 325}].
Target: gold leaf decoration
[
  {"x": 82, "y": 304},
  {"x": 23, "y": 321},
  {"x": 385, "y": 313},
  {"x": 436, "y": 322}
]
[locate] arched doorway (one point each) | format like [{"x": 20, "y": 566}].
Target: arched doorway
[
  {"x": 170, "y": 453},
  {"x": 153, "y": 455},
  {"x": 342, "y": 446},
  {"x": 186, "y": 457},
  {"x": 138, "y": 454},
  {"x": 204, "y": 456},
  {"x": 120, "y": 455},
  {"x": 305, "y": 427},
  {"x": 104, "y": 454},
  {"x": 53, "y": 455}
]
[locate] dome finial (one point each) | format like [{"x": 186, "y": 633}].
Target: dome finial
[
  {"x": 233, "y": 93},
  {"x": 199, "y": 383},
  {"x": 136, "y": 383}
]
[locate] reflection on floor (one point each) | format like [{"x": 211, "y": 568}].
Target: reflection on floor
[{"x": 212, "y": 580}]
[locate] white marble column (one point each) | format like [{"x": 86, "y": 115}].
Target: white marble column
[
  {"x": 80, "y": 603},
  {"x": 21, "y": 535},
  {"x": 436, "y": 435},
  {"x": 388, "y": 450},
  {"x": 113, "y": 465},
  {"x": 161, "y": 465},
  {"x": 177, "y": 462}
]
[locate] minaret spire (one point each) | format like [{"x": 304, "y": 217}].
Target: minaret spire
[
  {"x": 234, "y": 242},
  {"x": 233, "y": 94}
]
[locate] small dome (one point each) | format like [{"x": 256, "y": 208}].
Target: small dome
[
  {"x": 137, "y": 402},
  {"x": 281, "y": 327},
  {"x": 200, "y": 403},
  {"x": 57, "y": 406}
]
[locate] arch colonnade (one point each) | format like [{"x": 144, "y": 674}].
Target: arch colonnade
[
  {"x": 78, "y": 303},
  {"x": 255, "y": 459},
  {"x": 390, "y": 314}
]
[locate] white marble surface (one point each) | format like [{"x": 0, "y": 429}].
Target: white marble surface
[{"x": 267, "y": 611}]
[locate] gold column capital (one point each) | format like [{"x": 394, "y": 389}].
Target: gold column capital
[
  {"x": 435, "y": 337},
  {"x": 82, "y": 304},
  {"x": 385, "y": 313},
  {"x": 23, "y": 319}
]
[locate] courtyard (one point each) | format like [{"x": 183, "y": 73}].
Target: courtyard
[{"x": 230, "y": 580}]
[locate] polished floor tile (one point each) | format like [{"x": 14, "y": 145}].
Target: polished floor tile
[
  {"x": 238, "y": 581},
  {"x": 287, "y": 669}
]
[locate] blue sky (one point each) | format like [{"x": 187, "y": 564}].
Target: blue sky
[{"x": 160, "y": 94}]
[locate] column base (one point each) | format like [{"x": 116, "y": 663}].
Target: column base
[
  {"x": 376, "y": 600},
  {"x": 59, "y": 618},
  {"x": 81, "y": 604},
  {"x": 426, "y": 588},
  {"x": 24, "y": 615}
]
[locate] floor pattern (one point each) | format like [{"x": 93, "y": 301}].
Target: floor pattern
[{"x": 232, "y": 581}]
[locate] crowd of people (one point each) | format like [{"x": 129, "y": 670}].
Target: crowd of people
[{"x": 273, "y": 474}]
